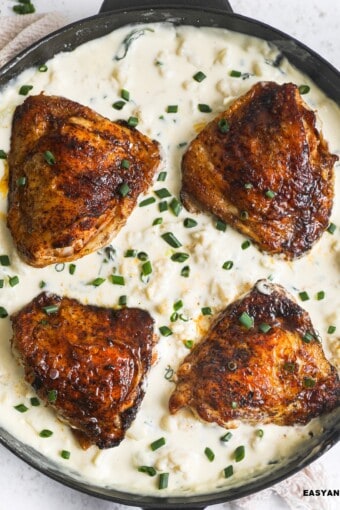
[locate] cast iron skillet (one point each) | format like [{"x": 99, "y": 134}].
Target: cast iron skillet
[{"x": 114, "y": 14}]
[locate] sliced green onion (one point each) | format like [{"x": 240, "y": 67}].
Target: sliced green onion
[
  {"x": 2, "y": 284},
  {"x": 221, "y": 225},
  {"x": 259, "y": 433},
  {"x": 13, "y": 281},
  {"x": 234, "y": 405},
  {"x": 226, "y": 437},
  {"x": 149, "y": 470},
  {"x": 331, "y": 330},
  {"x": 307, "y": 337},
  {"x": 223, "y": 126},
  {"x": 185, "y": 272},
  {"x": 118, "y": 105},
  {"x": 304, "y": 89},
  {"x": 4, "y": 260},
  {"x": 50, "y": 309},
  {"x": 125, "y": 94},
  {"x": 59, "y": 267},
  {"x": 331, "y": 228},
  {"x": 174, "y": 317},
  {"x": 244, "y": 215},
  {"x": 179, "y": 257},
  {"x": 96, "y": 282},
  {"x": 24, "y": 8},
  {"x": 245, "y": 244},
  {"x": 21, "y": 408},
  {"x": 43, "y": 68},
  {"x": 176, "y": 206},
  {"x": 209, "y": 454},
  {"x": 158, "y": 443},
  {"x": 72, "y": 268},
  {"x": 182, "y": 144},
  {"x": 122, "y": 301},
  {"x": 117, "y": 279},
  {"x": 125, "y": 163},
  {"x": 204, "y": 108},
  {"x": 172, "y": 108},
  {"x": 52, "y": 396},
  {"x": 65, "y": 454},
  {"x": 162, "y": 176},
  {"x": 308, "y": 382},
  {"x": 239, "y": 453},
  {"x": 228, "y": 471},
  {"x": 24, "y": 89},
  {"x": 165, "y": 331},
  {"x": 246, "y": 320},
  {"x": 235, "y": 74},
  {"x": 46, "y": 433},
  {"x": 147, "y": 201},
  {"x": 264, "y": 327},
  {"x": 3, "y": 154},
  {"x": 142, "y": 256},
  {"x": 130, "y": 253},
  {"x": 248, "y": 185},
  {"x": 157, "y": 221},
  {"x": 270, "y": 194},
  {"x": 188, "y": 344},
  {"x": 206, "y": 310},
  {"x": 147, "y": 268},
  {"x": 132, "y": 121},
  {"x": 178, "y": 305},
  {"x": 199, "y": 76},
  {"x": 228, "y": 265},
  {"x": 162, "y": 193},
  {"x": 21, "y": 181},
  {"x": 49, "y": 157},
  {"x": 232, "y": 366},
  {"x": 35, "y": 402},
  {"x": 304, "y": 296},
  {"x": 42, "y": 284},
  {"x": 3, "y": 312},
  {"x": 169, "y": 238},
  {"x": 289, "y": 366},
  {"x": 124, "y": 189},
  {"x": 189, "y": 223},
  {"x": 163, "y": 206},
  {"x": 320, "y": 295},
  {"x": 163, "y": 481}
]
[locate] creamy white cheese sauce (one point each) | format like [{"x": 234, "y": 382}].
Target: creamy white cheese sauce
[{"x": 158, "y": 71}]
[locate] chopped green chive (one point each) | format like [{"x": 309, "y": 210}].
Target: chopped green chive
[
  {"x": 185, "y": 272},
  {"x": 163, "y": 481},
  {"x": 331, "y": 330},
  {"x": 307, "y": 337},
  {"x": 221, "y": 225},
  {"x": 289, "y": 366},
  {"x": 259, "y": 433},
  {"x": 50, "y": 309},
  {"x": 244, "y": 215},
  {"x": 43, "y": 68},
  {"x": 24, "y": 89},
  {"x": 226, "y": 437},
  {"x": 65, "y": 454},
  {"x": 163, "y": 206},
  {"x": 35, "y": 402},
  {"x": 189, "y": 223},
  {"x": 2, "y": 284},
  {"x": 308, "y": 382},
  {"x": 49, "y": 157},
  {"x": 245, "y": 244},
  {"x": 125, "y": 94},
  {"x": 178, "y": 305},
  {"x": 42, "y": 284},
  {"x": 46, "y": 433},
  {"x": 96, "y": 282},
  {"x": 130, "y": 253},
  {"x": 118, "y": 105},
  {"x": 199, "y": 76},
  {"x": 21, "y": 181},
  {"x": 239, "y": 453},
  {"x": 232, "y": 366},
  {"x": 125, "y": 164},
  {"x": 21, "y": 408},
  {"x": 59, "y": 267},
  {"x": 158, "y": 443},
  {"x": 304, "y": 89},
  {"x": 179, "y": 257},
  {"x": 182, "y": 144},
  {"x": 72, "y": 268},
  {"x": 206, "y": 310},
  {"x": 304, "y": 296},
  {"x": 162, "y": 176},
  {"x": 52, "y": 396},
  {"x": 13, "y": 281},
  {"x": 132, "y": 121},
  {"x": 117, "y": 279},
  {"x": 162, "y": 193},
  {"x": 228, "y": 265},
  {"x": 147, "y": 268},
  {"x": 147, "y": 201},
  {"x": 169, "y": 238},
  {"x": 248, "y": 185},
  {"x": 122, "y": 301},
  {"x": 4, "y": 260},
  {"x": 157, "y": 221},
  {"x": 24, "y": 8},
  {"x": 142, "y": 256},
  {"x": 172, "y": 108},
  {"x": 235, "y": 74},
  {"x": 176, "y": 206},
  {"x": 264, "y": 327},
  {"x": 165, "y": 331},
  {"x": 124, "y": 189},
  {"x": 3, "y": 312},
  {"x": 270, "y": 194},
  {"x": 3, "y": 154},
  {"x": 228, "y": 471},
  {"x": 209, "y": 454},
  {"x": 188, "y": 344},
  {"x": 223, "y": 126},
  {"x": 246, "y": 320},
  {"x": 204, "y": 108},
  {"x": 320, "y": 295},
  {"x": 331, "y": 228},
  {"x": 149, "y": 470}
]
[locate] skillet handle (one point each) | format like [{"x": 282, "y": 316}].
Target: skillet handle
[{"x": 110, "y": 5}]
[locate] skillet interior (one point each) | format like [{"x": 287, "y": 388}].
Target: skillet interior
[{"x": 324, "y": 75}]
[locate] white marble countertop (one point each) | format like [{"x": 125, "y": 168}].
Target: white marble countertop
[{"x": 317, "y": 25}]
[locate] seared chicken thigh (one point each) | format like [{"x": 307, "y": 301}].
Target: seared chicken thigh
[
  {"x": 75, "y": 177},
  {"x": 261, "y": 362},
  {"x": 263, "y": 167},
  {"x": 89, "y": 363}
]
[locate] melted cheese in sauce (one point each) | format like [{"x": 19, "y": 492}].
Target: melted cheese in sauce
[{"x": 158, "y": 71}]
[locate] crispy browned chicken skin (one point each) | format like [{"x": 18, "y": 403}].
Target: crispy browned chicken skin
[
  {"x": 237, "y": 374},
  {"x": 89, "y": 363},
  {"x": 61, "y": 211},
  {"x": 263, "y": 167}
]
